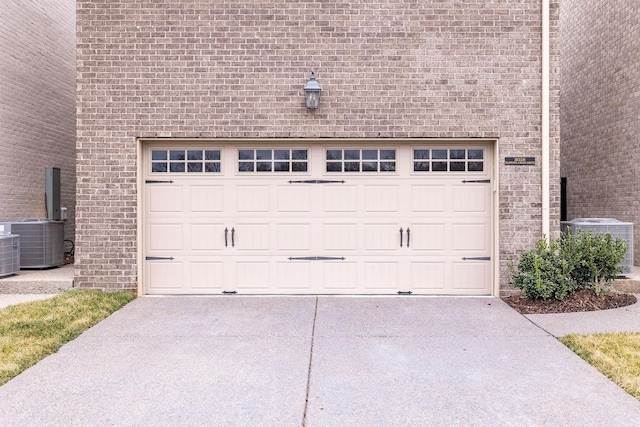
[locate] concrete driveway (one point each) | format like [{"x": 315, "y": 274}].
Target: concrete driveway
[{"x": 325, "y": 361}]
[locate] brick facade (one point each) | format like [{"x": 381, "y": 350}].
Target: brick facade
[
  {"x": 37, "y": 106},
  {"x": 223, "y": 70},
  {"x": 600, "y": 110}
]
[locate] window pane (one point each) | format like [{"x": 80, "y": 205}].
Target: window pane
[
  {"x": 299, "y": 154},
  {"x": 369, "y": 166},
  {"x": 194, "y": 155},
  {"x": 334, "y": 167},
  {"x": 158, "y": 167},
  {"x": 387, "y": 154},
  {"x": 176, "y": 155},
  {"x": 476, "y": 166},
  {"x": 281, "y": 166},
  {"x": 457, "y": 154},
  {"x": 421, "y": 166},
  {"x": 476, "y": 154},
  {"x": 281, "y": 154},
  {"x": 263, "y": 166},
  {"x": 420, "y": 154},
  {"x": 352, "y": 154},
  {"x": 245, "y": 155},
  {"x": 159, "y": 155},
  {"x": 177, "y": 167},
  {"x": 194, "y": 167},
  {"x": 439, "y": 155},
  {"x": 439, "y": 166},
  {"x": 334, "y": 154},
  {"x": 263, "y": 154},
  {"x": 212, "y": 167},
  {"x": 299, "y": 167},
  {"x": 369, "y": 154},
  {"x": 456, "y": 166},
  {"x": 245, "y": 167},
  {"x": 387, "y": 166},
  {"x": 212, "y": 155},
  {"x": 351, "y": 166}
]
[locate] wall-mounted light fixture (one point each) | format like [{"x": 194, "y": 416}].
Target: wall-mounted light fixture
[{"x": 312, "y": 92}]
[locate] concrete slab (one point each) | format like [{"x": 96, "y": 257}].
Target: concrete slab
[
  {"x": 417, "y": 317},
  {"x": 441, "y": 381},
  {"x": 454, "y": 362},
  {"x": 174, "y": 361},
  {"x": 46, "y": 281},
  {"x": 362, "y": 361},
  {"x": 624, "y": 319},
  {"x": 11, "y": 299},
  {"x": 221, "y": 316},
  {"x": 163, "y": 381}
]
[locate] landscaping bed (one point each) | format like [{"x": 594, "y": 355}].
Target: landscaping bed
[{"x": 582, "y": 300}]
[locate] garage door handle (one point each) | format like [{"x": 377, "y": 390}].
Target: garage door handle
[
  {"x": 401, "y": 231},
  {"x": 408, "y": 236},
  {"x": 226, "y": 232},
  {"x": 233, "y": 239}
]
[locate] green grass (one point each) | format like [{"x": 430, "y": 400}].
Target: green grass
[
  {"x": 616, "y": 355},
  {"x": 31, "y": 331}
]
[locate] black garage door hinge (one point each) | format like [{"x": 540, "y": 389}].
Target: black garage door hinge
[
  {"x": 159, "y": 258},
  {"x": 155, "y": 181},
  {"x": 477, "y": 181},
  {"x": 477, "y": 258},
  {"x": 404, "y": 292},
  {"x": 229, "y": 292}
]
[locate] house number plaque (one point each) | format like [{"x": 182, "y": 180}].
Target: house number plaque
[{"x": 520, "y": 161}]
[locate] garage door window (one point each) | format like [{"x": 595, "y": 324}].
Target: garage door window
[
  {"x": 185, "y": 161},
  {"x": 365, "y": 160},
  {"x": 448, "y": 160},
  {"x": 273, "y": 160}
]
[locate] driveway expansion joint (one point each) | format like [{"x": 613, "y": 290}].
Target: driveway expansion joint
[{"x": 313, "y": 334}]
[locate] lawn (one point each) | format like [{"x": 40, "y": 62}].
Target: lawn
[
  {"x": 616, "y": 355},
  {"x": 31, "y": 331}
]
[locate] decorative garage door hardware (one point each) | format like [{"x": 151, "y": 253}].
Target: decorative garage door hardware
[
  {"x": 477, "y": 258},
  {"x": 233, "y": 238},
  {"x": 316, "y": 181},
  {"x": 292, "y": 239},
  {"x": 477, "y": 181},
  {"x": 155, "y": 181},
  {"x": 408, "y": 236}
]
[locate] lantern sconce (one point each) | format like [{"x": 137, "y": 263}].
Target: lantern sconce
[{"x": 312, "y": 92}]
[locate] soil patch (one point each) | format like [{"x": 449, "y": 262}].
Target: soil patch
[{"x": 583, "y": 300}]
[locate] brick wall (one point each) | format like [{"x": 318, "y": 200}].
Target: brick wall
[
  {"x": 600, "y": 110},
  {"x": 389, "y": 69},
  {"x": 37, "y": 106}
]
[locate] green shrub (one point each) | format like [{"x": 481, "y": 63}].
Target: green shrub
[
  {"x": 574, "y": 261},
  {"x": 542, "y": 273},
  {"x": 595, "y": 258}
]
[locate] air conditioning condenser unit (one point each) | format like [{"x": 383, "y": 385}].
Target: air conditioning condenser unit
[{"x": 9, "y": 253}]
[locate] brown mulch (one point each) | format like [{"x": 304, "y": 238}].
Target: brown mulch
[{"x": 583, "y": 300}]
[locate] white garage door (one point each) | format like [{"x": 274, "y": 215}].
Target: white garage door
[{"x": 317, "y": 219}]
